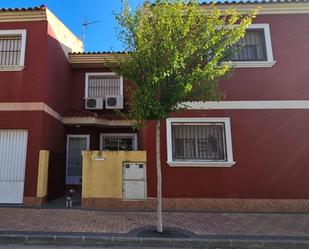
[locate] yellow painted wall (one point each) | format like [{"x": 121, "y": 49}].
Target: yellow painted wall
[
  {"x": 43, "y": 174},
  {"x": 103, "y": 178}
]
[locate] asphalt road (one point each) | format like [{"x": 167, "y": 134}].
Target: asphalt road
[{"x": 64, "y": 247}]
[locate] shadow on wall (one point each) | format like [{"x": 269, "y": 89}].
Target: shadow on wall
[{"x": 56, "y": 176}]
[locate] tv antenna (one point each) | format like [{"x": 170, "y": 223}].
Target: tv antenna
[{"x": 85, "y": 25}]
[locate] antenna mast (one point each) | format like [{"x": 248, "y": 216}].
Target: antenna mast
[{"x": 85, "y": 24}]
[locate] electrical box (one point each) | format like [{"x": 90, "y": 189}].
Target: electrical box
[{"x": 134, "y": 181}]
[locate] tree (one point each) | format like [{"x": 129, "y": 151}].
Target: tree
[{"x": 175, "y": 54}]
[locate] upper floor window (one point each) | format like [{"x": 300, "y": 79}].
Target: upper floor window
[
  {"x": 199, "y": 142},
  {"x": 100, "y": 85},
  {"x": 250, "y": 48},
  {"x": 12, "y": 49},
  {"x": 254, "y": 49}
]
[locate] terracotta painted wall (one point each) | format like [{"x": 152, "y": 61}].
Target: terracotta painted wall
[
  {"x": 57, "y": 94},
  {"x": 288, "y": 78},
  {"x": 27, "y": 85},
  {"x": 54, "y": 140},
  {"x": 57, "y": 91},
  {"x": 270, "y": 148},
  {"x": 32, "y": 122},
  {"x": 46, "y": 78}
]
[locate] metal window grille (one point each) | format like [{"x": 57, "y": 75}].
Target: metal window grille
[
  {"x": 100, "y": 86},
  {"x": 250, "y": 48},
  {"x": 118, "y": 143},
  {"x": 199, "y": 142},
  {"x": 10, "y": 50},
  {"x": 76, "y": 146}
]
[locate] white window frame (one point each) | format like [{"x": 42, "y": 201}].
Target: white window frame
[
  {"x": 102, "y": 74},
  {"x": 269, "y": 51},
  {"x": 228, "y": 139},
  {"x": 23, "y": 34},
  {"x": 130, "y": 135}
]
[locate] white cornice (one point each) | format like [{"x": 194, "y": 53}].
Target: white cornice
[
  {"x": 23, "y": 16},
  {"x": 248, "y": 105},
  {"x": 267, "y": 8},
  {"x": 40, "y": 106},
  {"x": 29, "y": 106},
  {"x": 95, "y": 121},
  {"x": 89, "y": 60}
]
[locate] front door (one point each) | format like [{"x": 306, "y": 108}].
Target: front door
[{"x": 75, "y": 145}]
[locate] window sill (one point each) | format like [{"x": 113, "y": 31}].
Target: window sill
[
  {"x": 249, "y": 64},
  {"x": 11, "y": 68},
  {"x": 201, "y": 164}
]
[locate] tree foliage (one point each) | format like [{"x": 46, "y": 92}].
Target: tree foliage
[{"x": 176, "y": 50}]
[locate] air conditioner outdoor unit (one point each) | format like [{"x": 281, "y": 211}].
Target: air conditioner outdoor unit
[
  {"x": 114, "y": 102},
  {"x": 94, "y": 103}
]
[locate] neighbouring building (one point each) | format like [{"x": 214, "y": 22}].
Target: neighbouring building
[{"x": 59, "y": 128}]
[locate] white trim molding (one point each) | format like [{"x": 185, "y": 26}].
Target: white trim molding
[
  {"x": 249, "y": 64},
  {"x": 123, "y": 135},
  {"x": 269, "y": 51},
  {"x": 41, "y": 106},
  {"x": 101, "y": 74},
  {"x": 95, "y": 121},
  {"x": 228, "y": 143},
  {"x": 21, "y": 64},
  {"x": 29, "y": 106},
  {"x": 247, "y": 105},
  {"x": 267, "y": 8},
  {"x": 197, "y": 105}
]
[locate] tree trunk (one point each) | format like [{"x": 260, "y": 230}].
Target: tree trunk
[{"x": 159, "y": 180}]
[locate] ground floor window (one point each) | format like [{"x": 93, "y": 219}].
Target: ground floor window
[
  {"x": 199, "y": 142},
  {"x": 123, "y": 141}
]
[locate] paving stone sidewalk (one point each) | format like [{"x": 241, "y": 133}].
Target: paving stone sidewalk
[{"x": 113, "y": 222}]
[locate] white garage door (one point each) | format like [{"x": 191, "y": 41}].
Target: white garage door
[{"x": 13, "y": 150}]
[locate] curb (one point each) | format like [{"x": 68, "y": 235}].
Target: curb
[{"x": 153, "y": 242}]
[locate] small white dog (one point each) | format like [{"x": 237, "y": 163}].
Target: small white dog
[{"x": 69, "y": 201}]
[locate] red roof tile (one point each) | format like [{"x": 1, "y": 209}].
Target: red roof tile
[
  {"x": 36, "y": 8},
  {"x": 106, "y": 114}
]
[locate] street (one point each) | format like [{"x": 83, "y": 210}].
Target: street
[{"x": 62, "y": 247}]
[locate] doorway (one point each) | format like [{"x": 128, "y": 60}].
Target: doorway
[{"x": 75, "y": 145}]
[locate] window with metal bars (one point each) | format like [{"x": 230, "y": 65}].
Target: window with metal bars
[
  {"x": 10, "y": 50},
  {"x": 252, "y": 47},
  {"x": 118, "y": 142},
  {"x": 100, "y": 86},
  {"x": 198, "y": 142}
]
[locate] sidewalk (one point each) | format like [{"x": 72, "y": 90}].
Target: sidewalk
[{"x": 220, "y": 226}]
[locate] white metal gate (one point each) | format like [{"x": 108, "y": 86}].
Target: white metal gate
[
  {"x": 75, "y": 145},
  {"x": 13, "y": 152}
]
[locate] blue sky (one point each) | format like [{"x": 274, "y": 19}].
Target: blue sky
[{"x": 100, "y": 36}]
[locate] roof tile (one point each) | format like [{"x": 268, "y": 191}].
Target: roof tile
[{"x": 35, "y": 8}]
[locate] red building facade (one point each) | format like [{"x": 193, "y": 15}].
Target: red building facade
[{"x": 246, "y": 152}]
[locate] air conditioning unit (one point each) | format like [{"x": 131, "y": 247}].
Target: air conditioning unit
[
  {"x": 94, "y": 103},
  {"x": 114, "y": 102}
]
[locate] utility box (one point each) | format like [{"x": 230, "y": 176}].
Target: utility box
[{"x": 134, "y": 181}]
